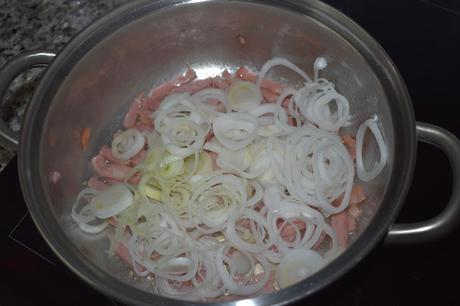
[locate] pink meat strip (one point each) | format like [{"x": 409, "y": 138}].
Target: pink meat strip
[
  {"x": 110, "y": 170},
  {"x": 106, "y": 153},
  {"x": 269, "y": 96},
  {"x": 224, "y": 81},
  {"x": 289, "y": 230},
  {"x": 193, "y": 87},
  {"x": 339, "y": 222},
  {"x": 123, "y": 252},
  {"x": 350, "y": 143},
  {"x": 157, "y": 95},
  {"x": 145, "y": 117},
  {"x": 131, "y": 116},
  {"x": 144, "y": 128},
  {"x": 138, "y": 158},
  {"x": 209, "y": 136},
  {"x": 345, "y": 221},
  {"x": 97, "y": 184},
  {"x": 122, "y": 248},
  {"x": 137, "y": 114},
  {"x": 247, "y": 75}
]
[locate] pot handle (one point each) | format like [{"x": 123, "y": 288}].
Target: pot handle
[
  {"x": 449, "y": 218},
  {"x": 8, "y": 73}
]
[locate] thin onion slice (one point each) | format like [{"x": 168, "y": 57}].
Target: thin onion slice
[
  {"x": 229, "y": 282},
  {"x": 93, "y": 227},
  {"x": 81, "y": 209},
  {"x": 111, "y": 201},
  {"x": 277, "y": 61},
  {"x": 257, "y": 232},
  {"x": 127, "y": 144},
  {"x": 215, "y": 199},
  {"x": 298, "y": 265},
  {"x": 235, "y": 130},
  {"x": 363, "y": 174},
  {"x": 244, "y": 96}
]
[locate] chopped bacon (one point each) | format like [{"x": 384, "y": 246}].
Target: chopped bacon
[
  {"x": 269, "y": 96},
  {"x": 106, "y": 153},
  {"x": 97, "y": 184},
  {"x": 350, "y": 143},
  {"x": 155, "y": 97},
  {"x": 288, "y": 232},
  {"x": 247, "y": 75},
  {"x": 110, "y": 170},
  {"x": 131, "y": 116},
  {"x": 346, "y": 221},
  {"x": 339, "y": 222},
  {"x": 224, "y": 81},
  {"x": 193, "y": 87}
]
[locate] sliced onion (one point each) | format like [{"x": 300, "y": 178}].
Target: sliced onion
[
  {"x": 93, "y": 227},
  {"x": 178, "y": 268},
  {"x": 215, "y": 199},
  {"x": 280, "y": 62},
  {"x": 258, "y": 193},
  {"x": 244, "y": 96},
  {"x": 127, "y": 144},
  {"x": 235, "y": 130},
  {"x": 240, "y": 160},
  {"x": 364, "y": 174},
  {"x": 267, "y": 126},
  {"x": 111, "y": 201},
  {"x": 316, "y": 109},
  {"x": 229, "y": 282},
  {"x": 290, "y": 211},
  {"x": 259, "y": 232},
  {"x": 210, "y": 285},
  {"x": 180, "y": 125},
  {"x": 210, "y": 93},
  {"x": 166, "y": 289},
  {"x": 199, "y": 167},
  {"x": 263, "y": 109},
  {"x": 203, "y": 232},
  {"x": 242, "y": 262},
  {"x": 280, "y": 116},
  {"x": 137, "y": 253},
  {"x": 320, "y": 64},
  {"x": 298, "y": 265},
  {"x": 81, "y": 210},
  {"x": 208, "y": 110},
  {"x": 334, "y": 246},
  {"x": 336, "y": 179},
  {"x": 318, "y": 169}
]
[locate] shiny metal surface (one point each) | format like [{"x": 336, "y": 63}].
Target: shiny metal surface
[
  {"x": 94, "y": 79},
  {"x": 442, "y": 224},
  {"x": 8, "y": 72}
]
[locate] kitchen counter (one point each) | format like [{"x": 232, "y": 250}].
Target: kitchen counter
[{"x": 38, "y": 24}]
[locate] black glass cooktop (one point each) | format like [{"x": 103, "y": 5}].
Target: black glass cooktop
[{"x": 423, "y": 39}]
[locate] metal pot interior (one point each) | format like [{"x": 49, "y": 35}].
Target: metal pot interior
[{"x": 111, "y": 70}]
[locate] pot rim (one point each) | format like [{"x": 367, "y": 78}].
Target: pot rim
[{"x": 399, "y": 183}]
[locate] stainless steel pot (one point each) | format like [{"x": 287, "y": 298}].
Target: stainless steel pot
[{"x": 93, "y": 79}]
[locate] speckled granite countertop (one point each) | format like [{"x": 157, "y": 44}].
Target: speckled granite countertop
[{"x": 38, "y": 24}]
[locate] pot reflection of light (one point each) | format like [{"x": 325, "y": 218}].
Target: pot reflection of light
[
  {"x": 207, "y": 71},
  {"x": 245, "y": 303}
]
